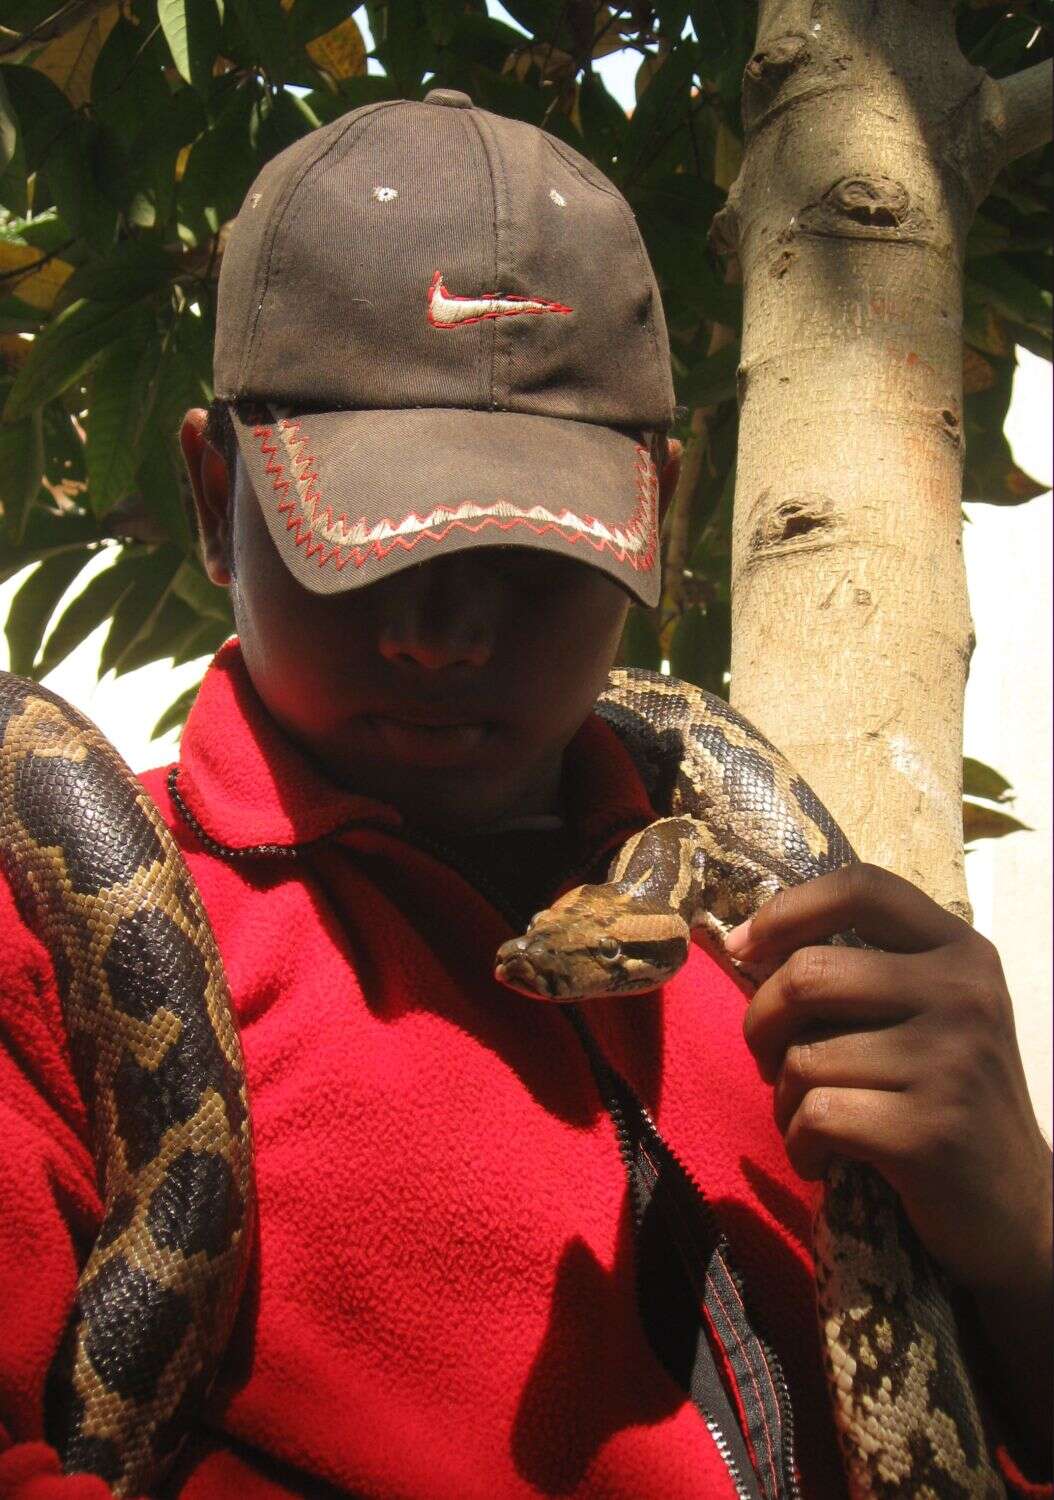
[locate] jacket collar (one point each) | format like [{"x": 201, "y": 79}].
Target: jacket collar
[{"x": 246, "y": 784}]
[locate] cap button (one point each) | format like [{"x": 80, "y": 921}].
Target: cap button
[{"x": 452, "y": 98}]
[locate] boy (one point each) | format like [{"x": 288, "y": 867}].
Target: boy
[{"x": 432, "y": 481}]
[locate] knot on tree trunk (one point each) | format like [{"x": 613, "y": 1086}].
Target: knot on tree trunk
[
  {"x": 724, "y": 230},
  {"x": 867, "y": 206},
  {"x": 791, "y": 520},
  {"x": 771, "y": 64}
]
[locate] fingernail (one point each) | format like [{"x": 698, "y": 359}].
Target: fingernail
[{"x": 738, "y": 940}]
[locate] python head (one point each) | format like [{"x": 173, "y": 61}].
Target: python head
[{"x": 584, "y": 945}]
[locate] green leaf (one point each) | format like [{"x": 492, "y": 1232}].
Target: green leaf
[
  {"x": 87, "y": 611},
  {"x": 47, "y": 531},
  {"x": 9, "y": 134},
  {"x": 200, "y": 593},
  {"x": 980, "y": 780},
  {"x": 1010, "y": 291},
  {"x": 129, "y": 272},
  {"x": 138, "y": 608},
  {"x": 43, "y": 113},
  {"x": 192, "y": 31},
  {"x": 63, "y": 447},
  {"x": 128, "y": 88},
  {"x": 640, "y": 642},
  {"x": 35, "y": 603},
  {"x": 63, "y": 353},
  {"x": 171, "y": 625},
  {"x": 77, "y": 173},
  {"x": 658, "y": 127},
  {"x": 159, "y": 483},
  {"x": 264, "y": 26},
  {"x": 546, "y": 20},
  {"x": 720, "y": 27},
  {"x": 206, "y": 640},
  {"x": 45, "y": 231},
  {"x": 711, "y": 381},
  {"x": 983, "y": 822},
  {"x": 223, "y": 163},
  {"x": 117, "y": 388},
  {"x": 21, "y": 470},
  {"x": 482, "y": 41},
  {"x": 605, "y": 125},
  {"x": 281, "y": 121},
  {"x": 175, "y": 715},
  {"x": 403, "y": 44},
  {"x": 183, "y": 378}
]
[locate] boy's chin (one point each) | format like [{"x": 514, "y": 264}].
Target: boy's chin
[
  {"x": 463, "y": 811},
  {"x": 460, "y": 804}
]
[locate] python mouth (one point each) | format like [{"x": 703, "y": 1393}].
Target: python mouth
[{"x": 514, "y": 969}]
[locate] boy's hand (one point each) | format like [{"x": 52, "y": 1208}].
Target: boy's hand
[{"x": 907, "y": 1059}]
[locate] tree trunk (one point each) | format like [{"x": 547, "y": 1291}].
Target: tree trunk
[{"x": 870, "y": 143}]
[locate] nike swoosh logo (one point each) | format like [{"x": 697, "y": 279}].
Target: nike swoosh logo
[{"x": 448, "y": 311}]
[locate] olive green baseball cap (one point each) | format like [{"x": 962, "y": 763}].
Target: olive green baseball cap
[{"x": 438, "y": 329}]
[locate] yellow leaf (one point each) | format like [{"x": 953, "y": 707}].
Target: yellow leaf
[
  {"x": 341, "y": 52},
  {"x": 551, "y": 62},
  {"x": 14, "y": 351},
  {"x": 38, "y": 288},
  {"x": 728, "y": 156},
  {"x": 978, "y": 374},
  {"x": 181, "y": 162},
  {"x": 70, "y": 58}
]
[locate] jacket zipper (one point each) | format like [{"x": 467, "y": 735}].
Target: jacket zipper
[
  {"x": 517, "y": 921},
  {"x": 788, "y": 1487}
]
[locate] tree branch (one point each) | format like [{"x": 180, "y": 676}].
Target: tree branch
[
  {"x": 14, "y": 43},
  {"x": 1027, "y": 98}
]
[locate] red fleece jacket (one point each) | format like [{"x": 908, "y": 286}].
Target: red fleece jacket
[{"x": 442, "y": 1299}]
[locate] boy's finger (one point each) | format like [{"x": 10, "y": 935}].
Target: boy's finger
[
  {"x": 866, "y": 1059},
  {"x": 842, "y": 988},
  {"x": 866, "y": 1125},
  {"x": 881, "y": 908}
]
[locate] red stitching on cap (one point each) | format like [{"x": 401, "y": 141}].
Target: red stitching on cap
[
  {"x": 437, "y": 291},
  {"x": 323, "y": 552}
]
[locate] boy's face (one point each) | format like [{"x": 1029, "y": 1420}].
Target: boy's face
[{"x": 449, "y": 690}]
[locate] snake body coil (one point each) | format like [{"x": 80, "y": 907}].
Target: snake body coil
[
  {"x": 99, "y": 879},
  {"x": 97, "y": 876},
  {"x": 742, "y": 826}
]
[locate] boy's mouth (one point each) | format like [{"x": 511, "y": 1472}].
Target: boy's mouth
[{"x": 430, "y": 744}]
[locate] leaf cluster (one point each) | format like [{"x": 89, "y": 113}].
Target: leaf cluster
[{"x": 128, "y": 141}]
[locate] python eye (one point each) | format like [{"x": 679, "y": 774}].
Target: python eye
[{"x": 609, "y": 949}]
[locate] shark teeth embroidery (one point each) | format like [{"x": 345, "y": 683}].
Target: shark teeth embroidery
[
  {"x": 326, "y": 537},
  {"x": 448, "y": 311}
]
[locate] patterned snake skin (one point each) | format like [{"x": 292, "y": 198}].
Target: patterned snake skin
[
  {"x": 98, "y": 878},
  {"x": 744, "y": 825}
]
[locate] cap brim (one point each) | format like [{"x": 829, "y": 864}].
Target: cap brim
[{"x": 354, "y": 496}]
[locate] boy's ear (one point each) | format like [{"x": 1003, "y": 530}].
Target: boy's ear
[
  {"x": 213, "y": 495},
  {"x": 671, "y": 472}
]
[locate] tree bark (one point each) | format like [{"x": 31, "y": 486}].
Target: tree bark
[{"x": 870, "y": 141}]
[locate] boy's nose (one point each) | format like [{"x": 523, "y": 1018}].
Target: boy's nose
[{"x": 441, "y": 614}]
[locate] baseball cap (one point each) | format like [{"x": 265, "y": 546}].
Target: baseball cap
[{"x": 438, "y": 329}]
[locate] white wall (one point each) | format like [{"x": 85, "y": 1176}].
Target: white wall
[{"x": 1008, "y": 723}]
